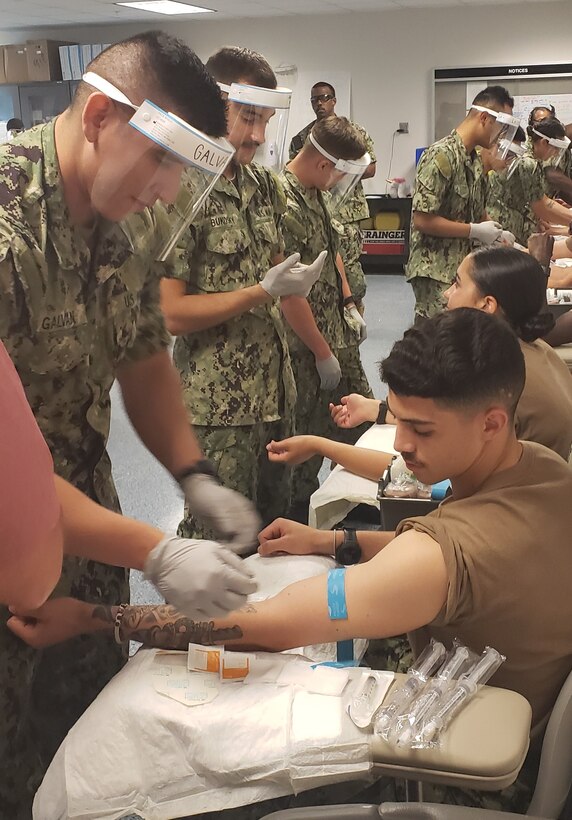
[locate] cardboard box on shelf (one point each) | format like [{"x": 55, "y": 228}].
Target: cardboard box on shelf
[
  {"x": 43, "y": 60},
  {"x": 15, "y": 63}
]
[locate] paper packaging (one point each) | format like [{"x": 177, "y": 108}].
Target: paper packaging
[
  {"x": 15, "y": 63},
  {"x": 43, "y": 60}
]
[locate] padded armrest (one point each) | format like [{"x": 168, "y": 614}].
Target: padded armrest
[
  {"x": 341, "y": 812},
  {"x": 436, "y": 811}
]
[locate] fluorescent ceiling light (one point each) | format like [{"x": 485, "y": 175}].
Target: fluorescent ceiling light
[{"x": 166, "y": 7}]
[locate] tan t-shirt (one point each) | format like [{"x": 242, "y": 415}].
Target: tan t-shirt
[
  {"x": 509, "y": 560},
  {"x": 544, "y": 412}
]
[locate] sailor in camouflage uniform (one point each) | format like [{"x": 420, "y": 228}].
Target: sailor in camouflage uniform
[
  {"x": 80, "y": 306},
  {"x": 449, "y": 202},
  {"x": 235, "y": 367},
  {"x": 355, "y": 208},
  {"x": 308, "y": 226}
]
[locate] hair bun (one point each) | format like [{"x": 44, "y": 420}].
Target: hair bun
[{"x": 536, "y": 327}]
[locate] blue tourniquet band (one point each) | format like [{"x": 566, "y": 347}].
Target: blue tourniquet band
[{"x": 337, "y": 609}]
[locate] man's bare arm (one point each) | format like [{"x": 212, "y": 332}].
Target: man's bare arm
[
  {"x": 401, "y": 589},
  {"x": 435, "y": 225}
]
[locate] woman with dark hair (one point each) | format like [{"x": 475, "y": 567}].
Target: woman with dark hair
[
  {"x": 513, "y": 284},
  {"x": 497, "y": 280}
]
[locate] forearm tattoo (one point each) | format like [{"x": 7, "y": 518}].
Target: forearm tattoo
[{"x": 163, "y": 626}]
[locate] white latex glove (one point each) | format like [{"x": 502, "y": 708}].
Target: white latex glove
[
  {"x": 329, "y": 371},
  {"x": 357, "y": 317},
  {"x": 506, "y": 238},
  {"x": 230, "y": 515},
  {"x": 485, "y": 232},
  {"x": 202, "y": 579}
]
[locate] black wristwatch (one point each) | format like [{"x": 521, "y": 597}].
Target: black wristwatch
[
  {"x": 349, "y": 551},
  {"x": 382, "y": 415},
  {"x": 201, "y": 467}
]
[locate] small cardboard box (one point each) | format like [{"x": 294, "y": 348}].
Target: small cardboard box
[
  {"x": 15, "y": 63},
  {"x": 43, "y": 60}
]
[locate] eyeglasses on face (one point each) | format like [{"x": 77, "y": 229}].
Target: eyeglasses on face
[{"x": 321, "y": 98}]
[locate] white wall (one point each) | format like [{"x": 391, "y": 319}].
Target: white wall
[{"x": 390, "y": 55}]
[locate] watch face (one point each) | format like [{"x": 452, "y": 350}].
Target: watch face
[{"x": 349, "y": 554}]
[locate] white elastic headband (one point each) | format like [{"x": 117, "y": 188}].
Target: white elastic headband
[
  {"x": 257, "y": 96},
  {"x": 500, "y": 116},
  {"x": 188, "y": 144},
  {"x": 355, "y": 167},
  {"x": 562, "y": 143}
]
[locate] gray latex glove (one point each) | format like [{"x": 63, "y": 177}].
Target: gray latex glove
[
  {"x": 329, "y": 371},
  {"x": 485, "y": 232},
  {"x": 230, "y": 515},
  {"x": 292, "y": 278},
  {"x": 360, "y": 322},
  {"x": 202, "y": 579}
]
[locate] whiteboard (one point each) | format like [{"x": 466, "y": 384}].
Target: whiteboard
[
  {"x": 562, "y": 103},
  {"x": 524, "y": 103}
]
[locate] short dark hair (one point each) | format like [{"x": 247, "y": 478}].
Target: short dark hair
[
  {"x": 494, "y": 95},
  {"x": 14, "y": 124},
  {"x": 162, "y": 68},
  {"x": 339, "y": 137},
  {"x": 233, "y": 63},
  {"x": 328, "y": 85},
  {"x": 551, "y": 113},
  {"x": 461, "y": 358},
  {"x": 549, "y": 127},
  {"x": 518, "y": 283}
]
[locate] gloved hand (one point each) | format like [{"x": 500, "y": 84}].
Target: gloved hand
[
  {"x": 329, "y": 371},
  {"x": 292, "y": 278},
  {"x": 360, "y": 322},
  {"x": 506, "y": 238},
  {"x": 230, "y": 515},
  {"x": 485, "y": 232},
  {"x": 202, "y": 579}
]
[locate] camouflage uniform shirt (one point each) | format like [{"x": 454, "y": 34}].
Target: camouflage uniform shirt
[
  {"x": 509, "y": 199},
  {"x": 237, "y": 372},
  {"x": 450, "y": 183},
  {"x": 71, "y": 315},
  {"x": 308, "y": 228}
]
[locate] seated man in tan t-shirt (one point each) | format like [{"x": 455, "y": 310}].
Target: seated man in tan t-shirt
[{"x": 490, "y": 566}]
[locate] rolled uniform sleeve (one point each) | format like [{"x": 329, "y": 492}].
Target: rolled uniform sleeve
[{"x": 151, "y": 334}]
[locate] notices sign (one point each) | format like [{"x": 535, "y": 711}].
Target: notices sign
[{"x": 383, "y": 242}]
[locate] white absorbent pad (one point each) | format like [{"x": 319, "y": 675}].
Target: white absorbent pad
[
  {"x": 156, "y": 744},
  {"x": 342, "y": 490},
  {"x": 136, "y": 750}
]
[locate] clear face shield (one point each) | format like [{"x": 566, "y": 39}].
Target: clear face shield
[
  {"x": 504, "y": 129},
  {"x": 344, "y": 176},
  {"x": 557, "y": 148},
  {"x": 511, "y": 152},
  {"x": 154, "y": 156},
  {"x": 258, "y": 123}
]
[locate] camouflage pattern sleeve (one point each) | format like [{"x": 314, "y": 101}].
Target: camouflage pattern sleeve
[
  {"x": 368, "y": 142},
  {"x": 432, "y": 181},
  {"x": 279, "y": 205},
  {"x": 151, "y": 334},
  {"x": 533, "y": 180},
  {"x": 177, "y": 264},
  {"x": 293, "y": 229},
  {"x": 14, "y": 316}
]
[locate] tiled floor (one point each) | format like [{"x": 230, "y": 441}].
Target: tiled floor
[{"x": 147, "y": 491}]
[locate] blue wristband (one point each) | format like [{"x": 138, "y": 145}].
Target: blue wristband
[{"x": 337, "y": 609}]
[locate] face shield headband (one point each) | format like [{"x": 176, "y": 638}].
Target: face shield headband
[{"x": 259, "y": 117}]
